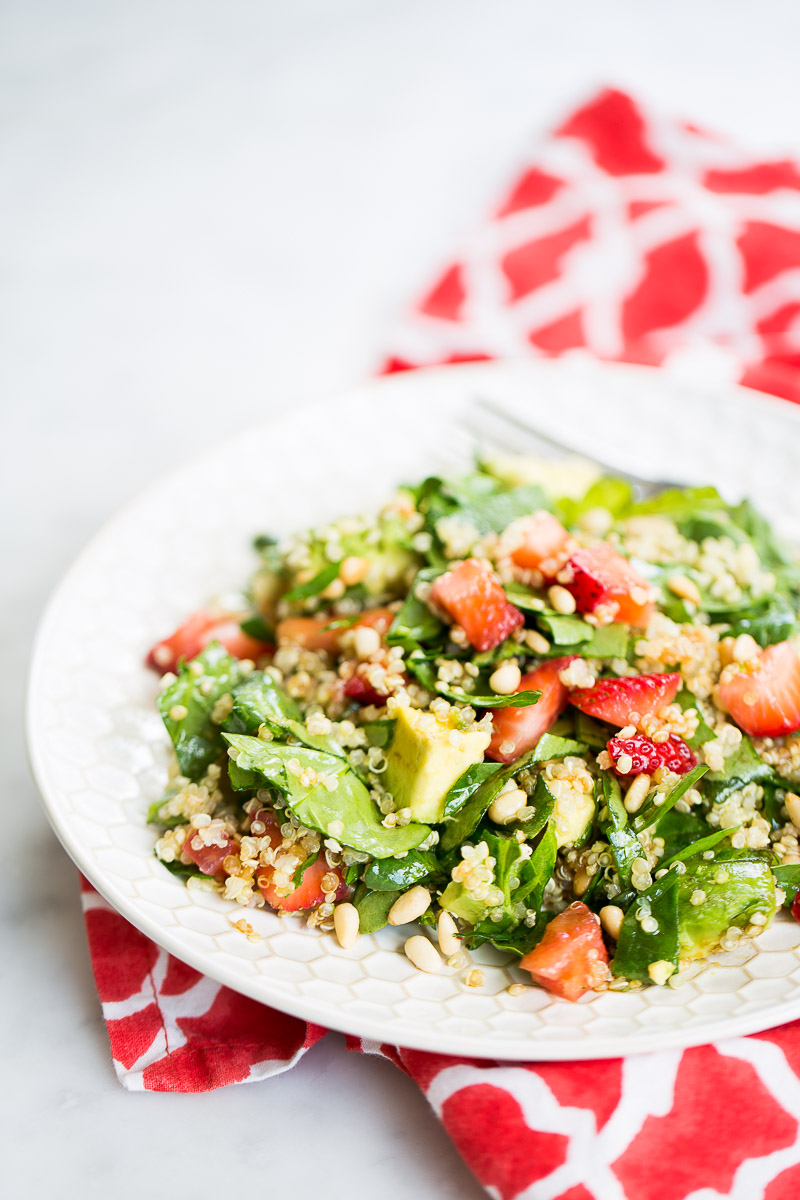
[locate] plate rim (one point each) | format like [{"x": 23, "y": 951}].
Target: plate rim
[{"x": 509, "y": 1047}]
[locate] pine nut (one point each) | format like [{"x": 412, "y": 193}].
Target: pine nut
[
  {"x": 611, "y": 918},
  {"x": 353, "y": 570},
  {"x": 507, "y": 805},
  {"x": 345, "y": 924},
  {"x": 792, "y": 803},
  {"x": 449, "y": 941},
  {"x": 334, "y": 590},
  {"x": 410, "y": 906},
  {"x": 536, "y": 642},
  {"x": 423, "y": 954},
  {"x": 637, "y": 793},
  {"x": 366, "y": 641},
  {"x": 580, "y": 882},
  {"x": 685, "y": 588},
  {"x": 561, "y": 600},
  {"x": 505, "y": 680},
  {"x": 745, "y": 649}
]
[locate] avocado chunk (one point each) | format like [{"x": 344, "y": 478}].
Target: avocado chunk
[
  {"x": 457, "y": 900},
  {"x": 427, "y": 755}
]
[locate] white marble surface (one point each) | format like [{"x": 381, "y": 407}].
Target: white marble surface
[{"x": 210, "y": 210}]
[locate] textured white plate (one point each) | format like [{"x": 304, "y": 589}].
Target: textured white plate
[{"x": 99, "y": 752}]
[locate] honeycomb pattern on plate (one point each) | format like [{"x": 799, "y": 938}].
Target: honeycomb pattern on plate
[{"x": 99, "y": 751}]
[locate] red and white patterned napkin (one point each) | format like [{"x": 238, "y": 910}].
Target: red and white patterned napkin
[{"x": 636, "y": 238}]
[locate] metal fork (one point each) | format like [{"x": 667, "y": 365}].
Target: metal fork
[{"x": 486, "y": 421}]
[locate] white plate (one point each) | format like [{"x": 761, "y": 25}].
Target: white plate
[{"x": 99, "y": 751}]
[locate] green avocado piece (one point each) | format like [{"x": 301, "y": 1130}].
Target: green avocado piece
[
  {"x": 457, "y": 900},
  {"x": 426, "y": 757}
]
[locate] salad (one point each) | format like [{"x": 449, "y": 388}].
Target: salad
[{"x": 520, "y": 708}]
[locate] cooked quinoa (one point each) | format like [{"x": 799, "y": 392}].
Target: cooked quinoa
[{"x": 520, "y": 708}]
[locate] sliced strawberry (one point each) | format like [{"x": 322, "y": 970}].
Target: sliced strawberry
[
  {"x": 309, "y": 893},
  {"x": 765, "y": 700},
  {"x": 517, "y": 730},
  {"x": 646, "y": 756},
  {"x": 543, "y": 545},
  {"x": 571, "y": 958},
  {"x": 314, "y": 633},
  {"x": 600, "y": 578},
  {"x": 208, "y": 859},
  {"x": 357, "y": 688},
  {"x": 614, "y": 700},
  {"x": 194, "y": 635},
  {"x": 473, "y": 596}
]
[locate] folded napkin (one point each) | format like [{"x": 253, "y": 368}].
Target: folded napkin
[{"x": 635, "y": 238}]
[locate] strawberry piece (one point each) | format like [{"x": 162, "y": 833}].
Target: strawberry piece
[
  {"x": 614, "y": 700},
  {"x": 796, "y": 906},
  {"x": 208, "y": 859},
  {"x": 599, "y": 577},
  {"x": 544, "y": 544},
  {"x": 517, "y": 730},
  {"x": 473, "y": 596},
  {"x": 308, "y": 893},
  {"x": 571, "y": 958},
  {"x": 358, "y": 689},
  {"x": 765, "y": 700},
  {"x": 195, "y": 634},
  {"x": 647, "y": 756}
]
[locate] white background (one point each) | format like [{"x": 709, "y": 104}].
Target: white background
[{"x": 209, "y": 211}]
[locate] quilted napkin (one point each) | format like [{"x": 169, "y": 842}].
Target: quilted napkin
[{"x": 633, "y": 237}]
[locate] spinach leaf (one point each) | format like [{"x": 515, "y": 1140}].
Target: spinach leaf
[
  {"x": 613, "y": 823},
  {"x": 389, "y": 874},
  {"x": 318, "y": 806},
  {"x": 608, "y": 641},
  {"x": 415, "y": 625},
  {"x": 679, "y": 503},
  {"x": 314, "y": 586},
  {"x": 373, "y": 908},
  {"x": 197, "y": 740},
  {"x": 788, "y": 878},
  {"x": 736, "y": 885},
  {"x": 704, "y": 733},
  {"x": 493, "y": 511},
  {"x": 495, "y": 700},
  {"x": 638, "y": 949},
  {"x": 742, "y": 767},
  {"x": 522, "y": 882},
  {"x": 379, "y": 733},
  {"x": 524, "y": 598},
  {"x": 591, "y": 731},
  {"x": 564, "y": 631},
  {"x": 459, "y": 828},
  {"x": 465, "y": 785},
  {"x": 698, "y": 847},
  {"x": 651, "y": 810},
  {"x": 776, "y": 622},
  {"x": 608, "y": 492},
  {"x": 183, "y": 870},
  {"x": 543, "y": 803},
  {"x": 261, "y": 701},
  {"x": 256, "y": 627},
  {"x": 297, "y": 878}
]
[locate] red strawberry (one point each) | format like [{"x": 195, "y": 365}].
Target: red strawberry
[
  {"x": 358, "y": 689},
  {"x": 598, "y": 576},
  {"x": 473, "y": 596},
  {"x": 614, "y": 700},
  {"x": 194, "y": 635},
  {"x": 647, "y": 756},
  {"x": 517, "y": 730},
  {"x": 208, "y": 859},
  {"x": 308, "y": 893},
  {"x": 765, "y": 700},
  {"x": 543, "y": 545},
  {"x": 571, "y": 958},
  {"x": 796, "y": 906}
]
